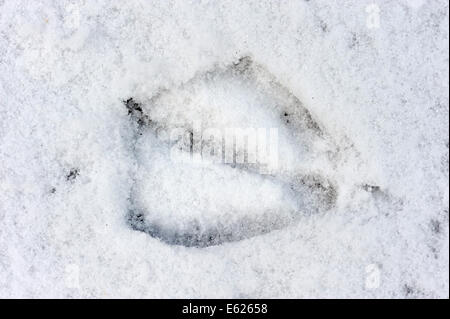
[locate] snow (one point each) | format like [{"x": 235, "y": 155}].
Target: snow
[{"x": 95, "y": 203}]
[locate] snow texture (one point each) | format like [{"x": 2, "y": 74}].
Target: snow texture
[{"x": 99, "y": 199}]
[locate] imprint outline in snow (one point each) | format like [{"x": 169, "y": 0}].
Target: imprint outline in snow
[{"x": 207, "y": 203}]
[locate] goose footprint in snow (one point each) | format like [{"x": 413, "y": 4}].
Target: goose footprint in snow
[{"x": 226, "y": 156}]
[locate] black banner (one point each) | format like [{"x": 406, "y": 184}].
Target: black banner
[{"x": 217, "y": 308}]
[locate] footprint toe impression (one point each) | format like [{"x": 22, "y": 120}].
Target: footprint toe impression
[{"x": 225, "y": 157}]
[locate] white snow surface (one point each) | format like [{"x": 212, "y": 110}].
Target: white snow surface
[{"x": 70, "y": 155}]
